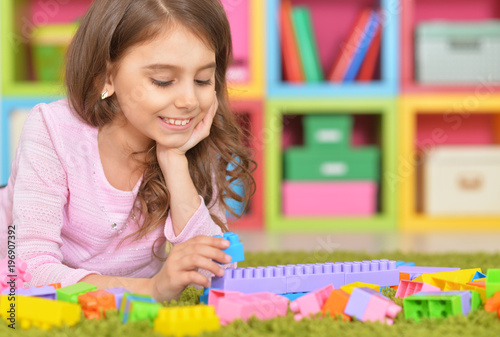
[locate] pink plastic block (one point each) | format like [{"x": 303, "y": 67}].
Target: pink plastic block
[
  {"x": 15, "y": 272},
  {"x": 261, "y": 305},
  {"x": 215, "y": 295},
  {"x": 346, "y": 198},
  {"x": 381, "y": 309},
  {"x": 311, "y": 303},
  {"x": 407, "y": 288},
  {"x": 47, "y": 12}
]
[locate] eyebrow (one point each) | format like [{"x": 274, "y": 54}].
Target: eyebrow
[{"x": 159, "y": 66}]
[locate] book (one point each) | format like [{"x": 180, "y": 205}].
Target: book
[
  {"x": 362, "y": 49},
  {"x": 367, "y": 71},
  {"x": 308, "y": 51},
  {"x": 292, "y": 67},
  {"x": 347, "y": 50}
]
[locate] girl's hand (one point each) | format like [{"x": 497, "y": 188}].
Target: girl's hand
[{"x": 182, "y": 264}]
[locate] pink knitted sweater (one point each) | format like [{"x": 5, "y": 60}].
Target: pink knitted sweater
[{"x": 63, "y": 208}]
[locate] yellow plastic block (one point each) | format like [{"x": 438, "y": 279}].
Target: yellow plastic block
[
  {"x": 27, "y": 311},
  {"x": 188, "y": 320},
  {"x": 458, "y": 276},
  {"x": 348, "y": 288},
  {"x": 449, "y": 286}
]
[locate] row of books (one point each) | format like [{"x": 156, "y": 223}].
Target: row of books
[{"x": 357, "y": 58}]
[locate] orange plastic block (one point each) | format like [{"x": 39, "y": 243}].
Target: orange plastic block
[
  {"x": 478, "y": 283},
  {"x": 493, "y": 303},
  {"x": 402, "y": 276},
  {"x": 56, "y": 285},
  {"x": 335, "y": 304},
  {"x": 95, "y": 303}
]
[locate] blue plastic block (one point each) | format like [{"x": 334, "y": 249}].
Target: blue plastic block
[
  {"x": 403, "y": 263},
  {"x": 235, "y": 249},
  {"x": 294, "y": 296},
  {"x": 204, "y": 296},
  {"x": 310, "y": 277},
  {"x": 382, "y": 272},
  {"x": 253, "y": 280},
  {"x": 478, "y": 275}
]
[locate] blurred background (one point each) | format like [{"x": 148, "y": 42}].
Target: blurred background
[{"x": 375, "y": 123}]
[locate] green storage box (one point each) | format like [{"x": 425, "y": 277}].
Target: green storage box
[
  {"x": 333, "y": 131},
  {"x": 302, "y": 163},
  {"x": 49, "y": 44}
]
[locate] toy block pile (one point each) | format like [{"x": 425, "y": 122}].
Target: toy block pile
[{"x": 348, "y": 290}]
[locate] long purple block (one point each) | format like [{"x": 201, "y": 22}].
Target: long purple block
[
  {"x": 382, "y": 272},
  {"x": 465, "y": 295},
  {"x": 310, "y": 277},
  {"x": 423, "y": 270},
  {"x": 253, "y": 280},
  {"x": 118, "y": 293},
  {"x": 47, "y": 292}
]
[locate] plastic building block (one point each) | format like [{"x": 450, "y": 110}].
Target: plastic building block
[
  {"x": 478, "y": 276},
  {"x": 263, "y": 306},
  {"x": 465, "y": 298},
  {"x": 138, "y": 307},
  {"x": 118, "y": 293},
  {"x": 492, "y": 282},
  {"x": 56, "y": 285},
  {"x": 402, "y": 276},
  {"x": 403, "y": 263},
  {"x": 449, "y": 286},
  {"x": 382, "y": 272},
  {"x": 311, "y": 303},
  {"x": 39, "y": 312},
  {"x": 348, "y": 288},
  {"x": 336, "y": 303},
  {"x": 95, "y": 303},
  {"x": 432, "y": 306},
  {"x": 366, "y": 304},
  {"x": 294, "y": 296},
  {"x": 407, "y": 288},
  {"x": 253, "y": 280},
  {"x": 458, "y": 276},
  {"x": 215, "y": 295},
  {"x": 236, "y": 247},
  {"x": 493, "y": 303},
  {"x": 423, "y": 270},
  {"x": 204, "y": 296},
  {"x": 310, "y": 277},
  {"x": 47, "y": 292},
  {"x": 13, "y": 273},
  {"x": 70, "y": 293},
  {"x": 188, "y": 320}
]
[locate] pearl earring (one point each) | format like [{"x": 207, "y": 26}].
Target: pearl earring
[{"x": 104, "y": 94}]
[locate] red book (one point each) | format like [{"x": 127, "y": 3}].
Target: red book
[
  {"x": 367, "y": 70},
  {"x": 292, "y": 66},
  {"x": 349, "y": 48}
]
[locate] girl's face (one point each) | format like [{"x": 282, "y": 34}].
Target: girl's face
[{"x": 164, "y": 87}]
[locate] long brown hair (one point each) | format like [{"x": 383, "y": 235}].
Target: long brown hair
[{"x": 107, "y": 31}]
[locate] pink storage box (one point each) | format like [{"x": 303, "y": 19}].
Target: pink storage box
[
  {"x": 50, "y": 12},
  {"x": 346, "y": 198},
  {"x": 238, "y": 14}
]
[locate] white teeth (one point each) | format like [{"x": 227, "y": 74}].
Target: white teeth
[
  {"x": 184, "y": 122},
  {"x": 176, "y": 122},
  {"x": 171, "y": 121}
]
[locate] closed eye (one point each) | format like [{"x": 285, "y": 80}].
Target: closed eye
[
  {"x": 162, "y": 84},
  {"x": 208, "y": 82}
]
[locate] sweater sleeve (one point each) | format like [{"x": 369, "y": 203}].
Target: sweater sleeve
[{"x": 39, "y": 199}]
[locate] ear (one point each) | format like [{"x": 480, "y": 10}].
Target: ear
[{"x": 109, "y": 80}]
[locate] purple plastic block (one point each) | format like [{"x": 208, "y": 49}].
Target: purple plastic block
[
  {"x": 358, "y": 302},
  {"x": 118, "y": 293},
  {"x": 253, "y": 280},
  {"x": 465, "y": 295},
  {"x": 47, "y": 292},
  {"x": 309, "y": 277},
  {"x": 423, "y": 270},
  {"x": 382, "y": 272}
]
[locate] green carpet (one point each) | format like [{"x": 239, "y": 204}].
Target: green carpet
[{"x": 478, "y": 323}]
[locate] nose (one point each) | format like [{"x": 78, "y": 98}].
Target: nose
[{"x": 186, "y": 98}]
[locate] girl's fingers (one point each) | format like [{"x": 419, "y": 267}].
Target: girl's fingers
[
  {"x": 193, "y": 277},
  {"x": 193, "y": 262}
]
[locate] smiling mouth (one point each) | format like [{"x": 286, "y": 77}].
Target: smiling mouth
[{"x": 178, "y": 122}]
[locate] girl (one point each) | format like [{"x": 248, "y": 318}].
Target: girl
[{"x": 133, "y": 164}]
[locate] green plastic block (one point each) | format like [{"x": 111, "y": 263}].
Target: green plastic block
[
  {"x": 419, "y": 307},
  {"x": 332, "y": 131},
  {"x": 492, "y": 282},
  {"x": 127, "y": 300},
  {"x": 475, "y": 302},
  {"x": 70, "y": 293},
  {"x": 143, "y": 311},
  {"x": 312, "y": 164}
]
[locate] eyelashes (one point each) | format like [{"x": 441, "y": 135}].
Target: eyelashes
[{"x": 168, "y": 83}]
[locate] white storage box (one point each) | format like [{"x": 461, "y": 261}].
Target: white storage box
[
  {"x": 457, "y": 53},
  {"x": 462, "y": 180}
]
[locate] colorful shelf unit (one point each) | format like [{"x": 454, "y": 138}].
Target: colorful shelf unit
[
  {"x": 12, "y": 114},
  {"x": 250, "y": 113},
  {"x": 414, "y": 12},
  {"x": 19, "y": 18},
  {"x": 277, "y": 112},
  {"x": 333, "y": 21},
  {"x": 253, "y": 34},
  {"x": 456, "y": 119}
]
